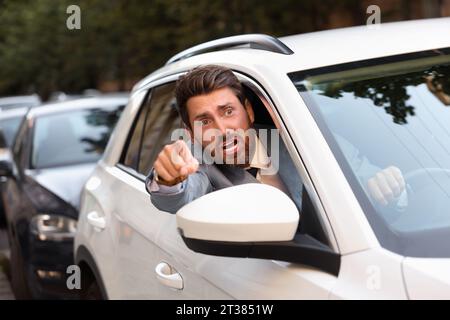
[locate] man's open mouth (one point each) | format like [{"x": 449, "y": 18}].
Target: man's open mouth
[{"x": 230, "y": 146}]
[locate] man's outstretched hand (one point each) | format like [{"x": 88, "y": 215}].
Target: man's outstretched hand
[{"x": 175, "y": 163}]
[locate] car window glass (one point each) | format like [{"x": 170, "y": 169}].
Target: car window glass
[
  {"x": 131, "y": 154},
  {"x": 72, "y": 137},
  {"x": 162, "y": 119},
  {"x": 9, "y": 128}
]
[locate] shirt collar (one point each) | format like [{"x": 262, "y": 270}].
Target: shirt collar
[{"x": 260, "y": 159}]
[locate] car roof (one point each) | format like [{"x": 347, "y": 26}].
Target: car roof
[
  {"x": 78, "y": 104},
  {"x": 326, "y": 48},
  {"x": 336, "y": 46}
]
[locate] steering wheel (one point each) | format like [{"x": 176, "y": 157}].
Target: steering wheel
[
  {"x": 418, "y": 191},
  {"x": 414, "y": 178}
]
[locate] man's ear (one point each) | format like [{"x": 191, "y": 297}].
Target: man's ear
[{"x": 249, "y": 109}]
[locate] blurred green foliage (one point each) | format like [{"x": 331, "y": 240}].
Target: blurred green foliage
[{"x": 124, "y": 40}]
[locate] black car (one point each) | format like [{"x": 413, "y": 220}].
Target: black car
[
  {"x": 53, "y": 154},
  {"x": 12, "y": 111}
]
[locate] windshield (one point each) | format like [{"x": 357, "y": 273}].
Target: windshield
[
  {"x": 74, "y": 137},
  {"x": 388, "y": 123}
]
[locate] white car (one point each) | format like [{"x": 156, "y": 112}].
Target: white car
[{"x": 381, "y": 89}]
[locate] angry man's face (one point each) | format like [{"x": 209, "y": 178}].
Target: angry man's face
[{"x": 219, "y": 121}]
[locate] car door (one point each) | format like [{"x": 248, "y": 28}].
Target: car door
[{"x": 147, "y": 267}]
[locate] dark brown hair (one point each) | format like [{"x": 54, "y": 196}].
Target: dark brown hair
[{"x": 204, "y": 80}]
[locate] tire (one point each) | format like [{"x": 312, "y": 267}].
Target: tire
[
  {"x": 19, "y": 281},
  {"x": 93, "y": 292},
  {"x": 3, "y": 222}
]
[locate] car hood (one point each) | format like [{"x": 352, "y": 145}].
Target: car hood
[
  {"x": 427, "y": 278},
  {"x": 65, "y": 182}
]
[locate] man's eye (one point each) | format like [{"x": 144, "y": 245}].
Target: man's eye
[
  {"x": 204, "y": 122},
  {"x": 229, "y": 111}
]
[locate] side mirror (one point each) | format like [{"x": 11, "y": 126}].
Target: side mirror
[
  {"x": 244, "y": 213},
  {"x": 6, "y": 163},
  {"x": 3, "y": 140},
  {"x": 255, "y": 221}
]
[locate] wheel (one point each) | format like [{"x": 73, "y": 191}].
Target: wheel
[
  {"x": 19, "y": 282},
  {"x": 93, "y": 292},
  {"x": 3, "y": 222}
]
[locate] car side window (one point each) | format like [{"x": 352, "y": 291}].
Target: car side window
[
  {"x": 157, "y": 119},
  {"x": 162, "y": 119},
  {"x": 130, "y": 157}
]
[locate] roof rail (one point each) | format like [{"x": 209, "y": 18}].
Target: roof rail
[{"x": 256, "y": 41}]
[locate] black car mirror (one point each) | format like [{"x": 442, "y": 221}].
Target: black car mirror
[
  {"x": 6, "y": 162},
  {"x": 3, "y": 140}
]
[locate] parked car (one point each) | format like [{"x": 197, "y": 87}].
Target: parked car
[
  {"x": 19, "y": 101},
  {"x": 9, "y": 124},
  {"x": 369, "y": 86},
  {"x": 12, "y": 112},
  {"x": 54, "y": 152}
]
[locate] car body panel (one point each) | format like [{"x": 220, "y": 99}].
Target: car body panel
[
  {"x": 55, "y": 180},
  {"x": 427, "y": 278},
  {"x": 370, "y": 274}
]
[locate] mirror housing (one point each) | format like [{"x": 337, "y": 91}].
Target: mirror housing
[
  {"x": 3, "y": 141},
  {"x": 6, "y": 163},
  {"x": 251, "y": 221},
  {"x": 245, "y": 213}
]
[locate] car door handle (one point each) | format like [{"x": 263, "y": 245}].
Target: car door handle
[
  {"x": 168, "y": 276},
  {"x": 97, "y": 222}
]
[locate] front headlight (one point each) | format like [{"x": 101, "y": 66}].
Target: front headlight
[{"x": 50, "y": 227}]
